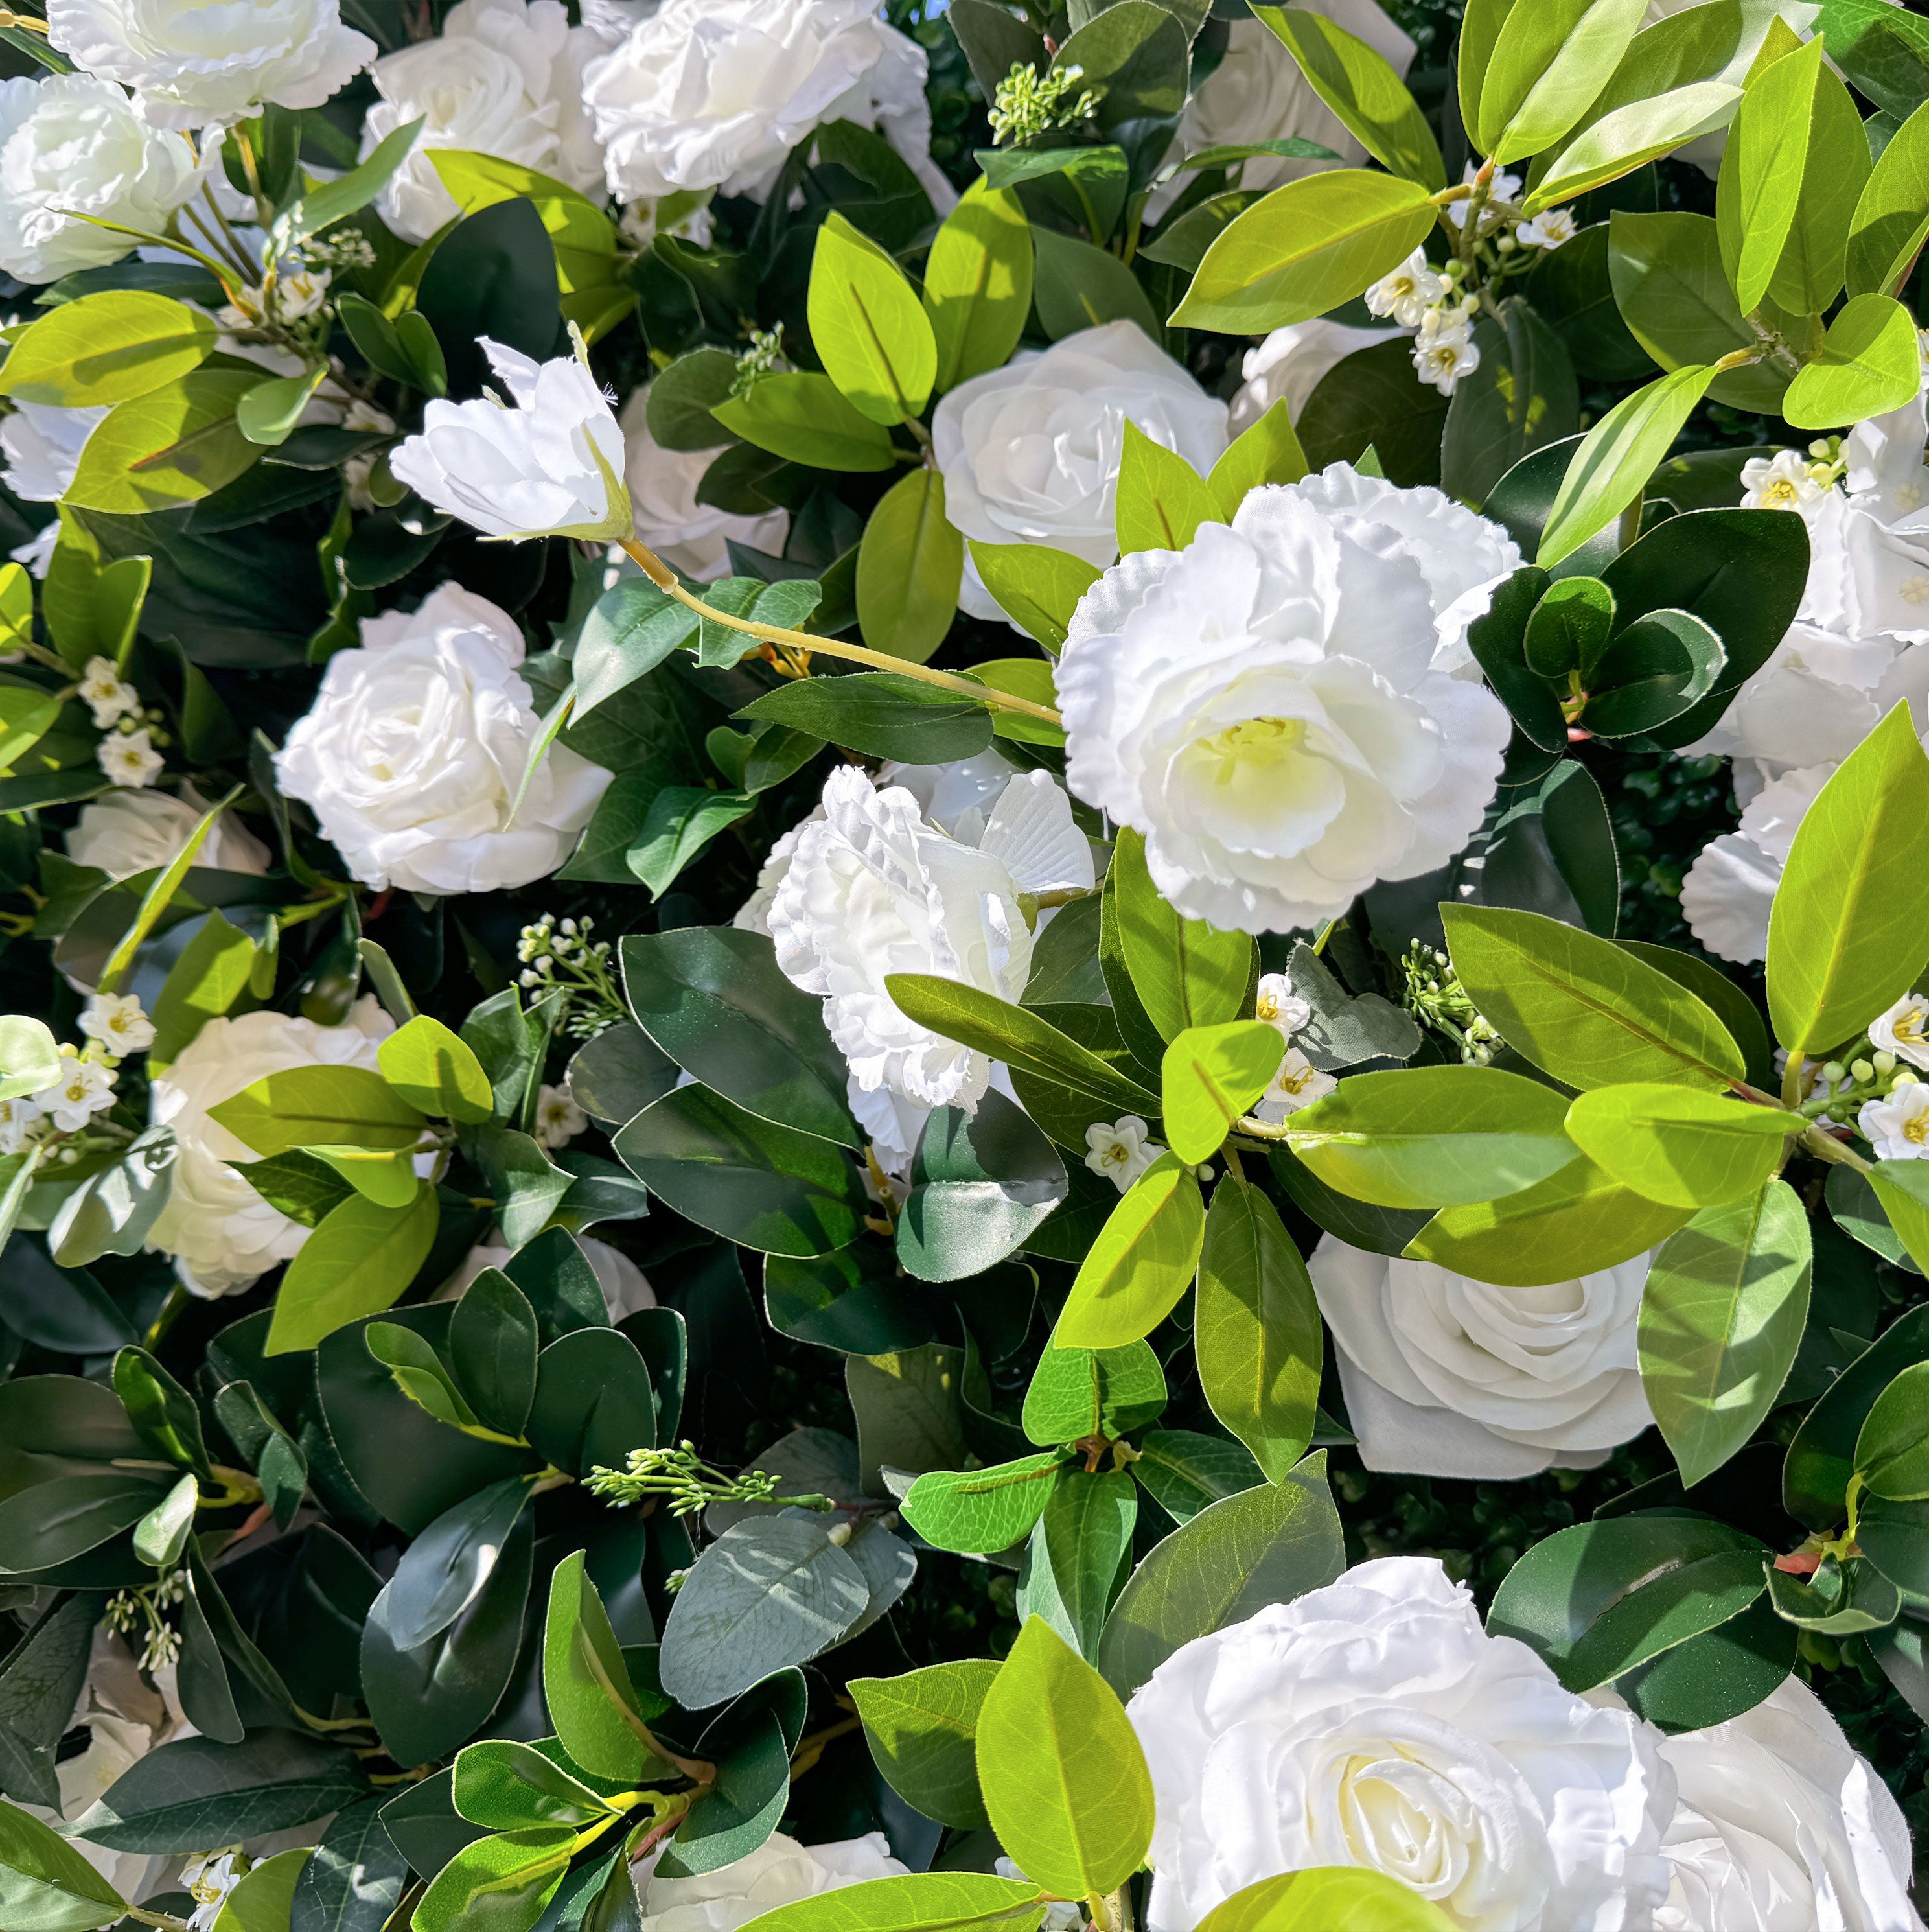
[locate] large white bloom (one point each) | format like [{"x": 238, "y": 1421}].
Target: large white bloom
[
  {"x": 1030, "y": 452},
  {"x": 1287, "y": 366},
  {"x": 223, "y": 1235},
  {"x": 124, "y": 832},
  {"x": 1727, "y": 893},
  {"x": 416, "y": 747},
  {"x": 504, "y": 78},
  {"x": 72, "y": 146},
  {"x": 42, "y": 445},
  {"x": 552, "y": 465},
  {"x": 1257, "y": 93},
  {"x": 716, "y": 93},
  {"x": 1447, "y": 1376},
  {"x": 780, "y": 1872},
  {"x": 1783, "y": 1827},
  {"x": 1261, "y": 706},
  {"x": 195, "y": 63},
  {"x": 691, "y": 537},
  {"x": 873, "y": 888},
  {"x": 1374, "y": 1722}
]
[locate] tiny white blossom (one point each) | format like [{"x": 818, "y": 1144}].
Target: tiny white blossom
[
  {"x": 559, "y": 1119},
  {"x": 117, "y": 1021},
  {"x": 1504, "y": 187},
  {"x": 107, "y": 694},
  {"x": 129, "y": 758},
  {"x": 1280, "y": 1006},
  {"x": 1783, "y": 481},
  {"x": 1063, "y": 1916},
  {"x": 1546, "y": 230},
  {"x": 83, "y": 1090},
  {"x": 1409, "y": 293},
  {"x": 1898, "y": 1128},
  {"x": 18, "y": 1119},
  {"x": 1121, "y": 1152},
  {"x": 1298, "y": 1084},
  {"x": 209, "y": 1877},
  {"x": 1444, "y": 351},
  {"x": 1904, "y": 1030},
  {"x": 301, "y": 292}
]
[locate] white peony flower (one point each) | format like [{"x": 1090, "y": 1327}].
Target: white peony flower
[
  {"x": 41, "y": 446},
  {"x": 417, "y": 745},
  {"x": 504, "y": 78},
  {"x": 193, "y": 65},
  {"x": 1904, "y": 1030},
  {"x": 117, "y": 1022},
  {"x": 626, "y": 1289},
  {"x": 873, "y": 889},
  {"x": 1257, "y": 93},
  {"x": 780, "y": 1872},
  {"x": 1897, "y": 1128},
  {"x": 753, "y": 915},
  {"x": 1444, "y": 350},
  {"x": 71, "y": 146},
  {"x": 1727, "y": 893},
  {"x": 130, "y": 831},
  {"x": 223, "y": 1235},
  {"x": 129, "y": 758},
  {"x": 551, "y": 466},
  {"x": 1374, "y": 1722},
  {"x": 1261, "y": 706},
  {"x": 1288, "y": 366},
  {"x": 689, "y": 536},
  {"x": 716, "y": 93},
  {"x": 1783, "y": 1827},
  {"x": 1031, "y": 452},
  {"x": 1410, "y": 291},
  {"x": 1121, "y": 1152},
  {"x": 1447, "y": 1376}
]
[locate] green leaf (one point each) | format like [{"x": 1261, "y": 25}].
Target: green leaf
[
  {"x": 357, "y": 1262},
  {"x": 267, "y": 413},
  {"x": 804, "y": 418},
  {"x": 106, "y": 349},
  {"x": 1073, "y": 1555},
  {"x": 874, "y": 339},
  {"x": 583, "y": 236},
  {"x": 923, "y": 1901},
  {"x": 1892, "y": 1450},
  {"x": 1326, "y": 1896},
  {"x": 1721, "y": 1317},
  {"x": 1903, "y": 1192},
  {"x": 682, "y": 820},
  {"x": 1363, "y": 92},
  {"x": 167, "y": 448},
  {"x": 1036, "y": 586},
  {"x": 1186, "y": 973},
  {"x": 981, "y": 1511},
  {"x": 1550, "y": 61},
  {"x": 922, "y": 1730},
  {"x": 1679, "y": 1145},
  {"x": 977, "y": 284},
  {"x": 1522, "y": 397},
  {"x": 162, "y": 1412},
  {"x": 334, "y": 201},
  {"x": 448, "y": 1567},
  {"x": 1656, "y": 667},
  {"x": 1480, "y": 32},
  {"x": 45, "y": 1886},
  {"x": 1077, "y": 286},
  {"x": 1141, "y": 1264},
  {"x": 882, "y": 714},
  {"x": 1869, "y": 363},
  {"x": 980, "y": 1183},
  {"x": 386, "y": 1179},
  {"x": 585, "y": 1683},
  {"x": 1162, "y": 500},
  {"x": 1845, "y": 935},
  {"x": 1582, "y": 1009},
  {"x": 1892, "y": 218},
  {"x": 910, "y": 563},
  {"x": 1266, "y": 1545},
  {"x": 1028, "y": 678},
  {"x": 1065, "y": 1781},
  {"x": 1212, "y": 1076},
  {"x": 1268, "y": 451},
  {"x": 264, "y": 1901},
  {"x": 1305, "y": 249},
  {"x": 1184, "y": 1472},
  {"x": 1615, "y": 458},
  {"x": 307, "y": 1106},
  {"x": 1077, "y": 1392},
  {"x": 1761, "y": 183},
  {"x": 1256, "y": 1329},
  {"x": 630, "y": 629},
  {"x": 111, "y": 1212},
  {"x": 418, "y": 1371},
  {"x": 29, "y": 1056},
  {"x": 502, "y": 1883},
  {"x": 435, "y": 1071}
]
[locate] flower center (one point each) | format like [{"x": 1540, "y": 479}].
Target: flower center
[
  {"x": 1916, "y": 1128},
  {"x": 1406, "y": 1820},
  {"x": 1914, "y": 590},
  {"x": 1263, "y": 740}
]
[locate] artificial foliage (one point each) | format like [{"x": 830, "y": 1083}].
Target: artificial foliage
[{"x": 800, "y": 1224}]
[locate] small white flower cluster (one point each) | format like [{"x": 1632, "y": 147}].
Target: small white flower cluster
[
  {"x": 84, "y": 1087},
  {"x": 128, "y": 755},
  {"x": 1299, "y": 1083},
  {"x": 563, "y": 957},
  {"x": 127, "y": 1610}
]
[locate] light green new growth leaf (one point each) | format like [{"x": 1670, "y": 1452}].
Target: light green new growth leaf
[
  {"x": 435, "y": 1071},
  {"x": 1323, "y": 1897},
  {"x": 1269, "y": 451},
  {"x": 910, "y": 563},
  {"x": 1212, "y": 1076},
  {"x": 357, "y": 1262},
  {"x": 1037, "y": 587},
  {"x": 942, "y": 1901},
  {"x": 1161, "y": 500},
  {"x": 1623, "y": 140},
  {"x": 869, "y": 329},
  {"x": 1141, "y": 1264},
  {"x": 585, "y": 1682},
  {"x": 1870, "y": 363},
  {"x": 1762, "y": 170},
  {"x": 1679, "y": 1144},
  {"x": 922, "y": 1729},
  {"x": 29, "y": 1056},
  {"x": 1552, "y": 58},
  {"x": 306, "y": 1106},
  {"x": 106, "y": 349},
  {"x": 978, "y": 285},
  {"x": 1892, "y": 218}
]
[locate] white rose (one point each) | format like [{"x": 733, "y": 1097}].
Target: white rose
[
  {"x": 1374, "y": 1722},
  {"x": 191, "y": 65},
  {"x": 1287, "y": 366},
  {"x": 1783, "y": 1827},
  {"x": 626, "y": 1289},
  {"x": 223, "y": 1235},
  {"x": 499, "y": 80},
  {"x": 1727, "y": 893},
  {"x": 1260, "y": 706},
  {"x": 716, "y": 93},
  {"x": 129, "y": 832},
  {"x": 780, "y": 1872},
  {"x": 1447, "y": 1376},
  {"x": 689, "y": 536},
  {"x": 551, "y": 466},
  {"x": 417, "y": 745},
  {"x": 1030, "y": 452},
  {"x": 1257, "y": 93},
  {"x": 872, "y": 889},
  {"x": 72, "y": 146}
]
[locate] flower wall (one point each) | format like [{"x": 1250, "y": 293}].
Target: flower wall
[{"x": 964, "y": 965}]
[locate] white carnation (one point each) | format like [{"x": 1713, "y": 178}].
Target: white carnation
[
  {"x": 1374, "y": 1722},
  {"x": 416, "y": 747},
  {"x": 124, "y": 832},
  {"x": 223, "y": 1235},
  {"x": 192, "y": 64},
  {"x": 1287, "y": 366},
  {"x": 72, "y": 146},
  {"x": 1261, "y": 706},
  {"x": 780, "y": 1872},
  {"x": 716, "y": 93},
  {"x": 1030, "y": 453},
  {"x": 873, "y": 889},
  {"x": 1727, "y": 893},
  {"x": 691, "y": 537},
  {"x": 1447, "y": 1376},
  {"x": 504, "y": 78}
]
